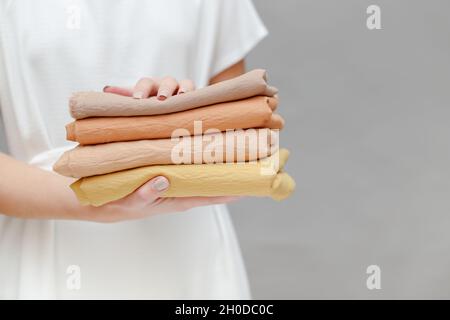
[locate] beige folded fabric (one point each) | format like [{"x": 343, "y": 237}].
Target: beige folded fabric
[
  {"x": 240, "y": 145},
  {"x": 99, "y": 104},
  {"x": 257, "y": 178},
  {"x": 255, "y": 112}
]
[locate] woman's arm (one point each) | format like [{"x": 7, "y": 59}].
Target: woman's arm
[
  {"x": 232, "y": 72},
  {"x": 29, "y": 192}
]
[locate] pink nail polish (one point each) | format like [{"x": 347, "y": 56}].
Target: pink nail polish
[
  {"x": 138, "y": 95},
  {"x": 162, "y": 97},
  {"x": 160, "y": 184}
]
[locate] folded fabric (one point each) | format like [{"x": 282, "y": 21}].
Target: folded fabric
[
  {"x": 99, "y": 104},
  {"x": 240, "y": 145},
  {"x": 257, "y": 178},
  {"x": 255, "y": 112}
]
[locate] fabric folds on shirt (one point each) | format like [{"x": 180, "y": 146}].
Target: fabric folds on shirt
[
  {"x": 257, "y": 178},
  {"x": 240, "y": 145},
  {"x": 100, "y": 104}
]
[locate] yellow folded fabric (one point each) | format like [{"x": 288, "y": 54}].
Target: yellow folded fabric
[{"x": 256, "y": 178}]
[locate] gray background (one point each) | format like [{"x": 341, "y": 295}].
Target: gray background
[
  {"x": 368, "y": 124},
  {"x": 368, "y": 127}
]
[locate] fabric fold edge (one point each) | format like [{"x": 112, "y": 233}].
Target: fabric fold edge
[{"x": 281, "y": 186}]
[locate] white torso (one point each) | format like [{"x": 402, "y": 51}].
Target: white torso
[{"x": 51, "y": 48}]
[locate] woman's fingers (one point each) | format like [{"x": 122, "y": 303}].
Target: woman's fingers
[
  {"x": 145, "y": 88},
  {"x": 167, "y": 88},
  {"x": 123, "y": 91},
  {"x": 147, "y": 201},
  {"x": 182, "y": 204},
  {"x": 148, "y": 87},
  {"x": 186, "y": 85}
]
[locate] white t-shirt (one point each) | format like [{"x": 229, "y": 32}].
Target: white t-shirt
[{"x": 51, "y": 48}]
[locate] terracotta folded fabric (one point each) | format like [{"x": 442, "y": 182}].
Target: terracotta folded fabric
[
  {"x": 240, "y": 145},
  {"x": 255, "y": 112},
  {"x": 257, "y": 178},
  {"x": 99, "y": 104}
]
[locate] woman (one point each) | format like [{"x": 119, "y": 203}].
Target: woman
[{"x": 48, "y": 242}]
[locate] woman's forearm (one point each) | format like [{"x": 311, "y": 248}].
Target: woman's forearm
[
  {"x": 235, "y": 70},
  {"x": 29, "y": 192}
]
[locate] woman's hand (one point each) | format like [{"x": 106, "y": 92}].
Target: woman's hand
[
  {"x": 149, "y": 87},
  {"x": 146, "y": 201}
]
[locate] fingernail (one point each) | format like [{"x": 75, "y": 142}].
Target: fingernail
[
  {"x": 181, "y": 91},
  {"x": 105, "y": 88},
  {"x": 138, "y": 95},
  {"x": 162, "y": 97},
  {"x": 160, "y": 184}
]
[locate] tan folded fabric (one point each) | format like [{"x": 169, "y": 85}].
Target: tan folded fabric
[
  {"x": 240, "y": 145},
  {"x": 99, "y": 104},
  {"x": 257, "y": 178},
  {"x": 255, "y": 112}
]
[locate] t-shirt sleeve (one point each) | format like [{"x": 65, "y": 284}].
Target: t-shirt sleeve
[
  {"x": 3, "y": 144},
  {"x": 239, "y": 30}
]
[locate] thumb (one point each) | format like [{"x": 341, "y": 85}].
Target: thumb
[{"x": 148, "y": 192}]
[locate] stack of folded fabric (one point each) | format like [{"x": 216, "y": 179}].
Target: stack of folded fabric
[{"x": 124, "y": 142}]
